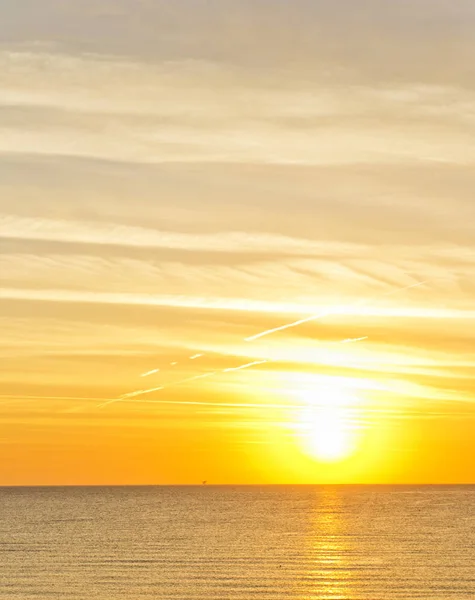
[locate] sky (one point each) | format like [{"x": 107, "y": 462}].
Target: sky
[{"x": 237, "y": 241}]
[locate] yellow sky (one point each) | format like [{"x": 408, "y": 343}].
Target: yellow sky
[{"x": 177, "y": 179}]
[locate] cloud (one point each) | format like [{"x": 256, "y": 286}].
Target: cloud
[
  {"x": 16, "y": 227},
  {"x": 194, "y": 111},
  {"x": 297, "y": 38},
  {"x": 231, "y": 304}
]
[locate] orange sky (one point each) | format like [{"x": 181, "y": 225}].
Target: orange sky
[{"x": 177, "y": 179}]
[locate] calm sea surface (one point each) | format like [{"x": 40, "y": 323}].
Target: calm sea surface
[{"x": 374, "y": 543}]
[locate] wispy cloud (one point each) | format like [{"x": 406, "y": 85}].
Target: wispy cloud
[
  {"x": 354, "y": 340},
  {"x": 149, "y": 373},
  {"x": 16, "y": 227},
  {"x": 234, "y": 304},
  {"x": 254, "y": 363},
  {"x": 192, "y": 111}
]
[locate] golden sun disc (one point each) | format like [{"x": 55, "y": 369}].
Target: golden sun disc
[{"x": 326, "y": 432}]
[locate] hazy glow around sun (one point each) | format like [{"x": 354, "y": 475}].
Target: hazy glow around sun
[{"x": 326, "y": 429}]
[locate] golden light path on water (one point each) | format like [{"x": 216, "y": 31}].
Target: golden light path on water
[{"x": 329, "y": 550}]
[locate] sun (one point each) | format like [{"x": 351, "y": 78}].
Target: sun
[
  {"x": 326, "y": 428},
  {"x": 325, "y": 434}
]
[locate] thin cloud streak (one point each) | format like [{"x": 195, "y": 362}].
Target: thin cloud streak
[
  {"x": 92, "y": 232},
  {"x": 258, "y": 336},
  {"x": 148, "y": 373},
  {"x": 354, "y": 340},
  {"x": 196, "y": 377},
  {"x": 167, "y": 402},
  {"x": 26, "y": 397},
  {"x": 327, "y": 313},
  {"x": 233, "y": 304},
  {"x": 246, "y": 366},
  {"x": 263, "y": 334},
  {"x": 183, "y": 381},
  {"x": 223, "y": 404},
  {"x": 155, "y": 389},
  {"x": 145, "y": 105}
]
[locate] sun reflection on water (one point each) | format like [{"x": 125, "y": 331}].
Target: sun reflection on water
[{"x": 329, "y": 551}]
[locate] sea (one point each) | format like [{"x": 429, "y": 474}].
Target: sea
[{"x": 251, "y": 542}]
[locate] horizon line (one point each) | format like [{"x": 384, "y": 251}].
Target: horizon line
[{"x": 201, "y": 485}]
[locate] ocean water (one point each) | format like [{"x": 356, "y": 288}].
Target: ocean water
[{"x": 270, "y": 542}]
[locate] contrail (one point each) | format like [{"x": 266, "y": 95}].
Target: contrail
[
  {"x": 320, "y": 315},
  {"x": 326, "y": 313},
  {"x": 139, "y": 392},
  {"x": 156, "y": 389},
  {"x": 204, "y": 375},
  {"x": 129, "y": 395},
  {"x": 221, "y": 404},
  {"x": 287, "y": 326},
  {"x": 354, "y": 340},
  {"x": 188, "y": 379},
  {"x": 148, "y": 373},
  {"x": 173, "y": 364},
  {"x": 407, "y": 287},
  {"x": 246, "y": 366},
  {"x": 264, "y": 334},
  {"x": 23, "y": 397},
  {"x": 176, "y": 383}
]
